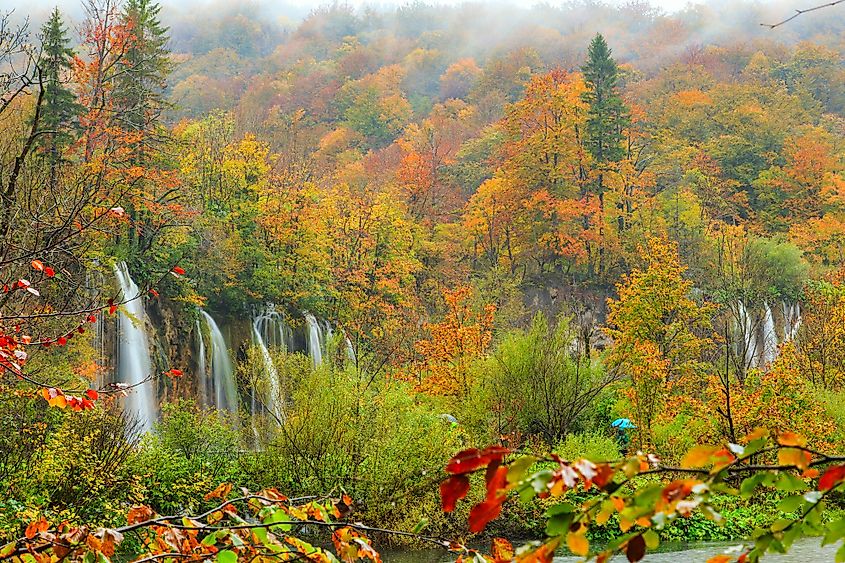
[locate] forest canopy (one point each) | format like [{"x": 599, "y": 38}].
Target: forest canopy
[{"x": 266, "y": 271}]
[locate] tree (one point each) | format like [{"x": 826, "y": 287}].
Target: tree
[
  {"x": 141, "y": 85},
  {"x": 607, "y": 118},
  {"x": 461, "y": 337},
  {"x": 659, "y": 331},
  {"x": 60, "y": 111},
  {"x": 607, "y": 115}
]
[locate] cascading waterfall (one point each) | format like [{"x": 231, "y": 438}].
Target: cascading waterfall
[
  {"x": 273, "y": 401},
  {"x": 203, "y": 381},
  {"x": 133, "y": 355},
  {"x": 273, "y": 329},
  {"x": 769, "y": 337},
  {"x": 791, "y": 320},
  {"x": 225, "y": 391},
  {"x": 314, "y": 340},
  {"x": 749, "y": 336}
]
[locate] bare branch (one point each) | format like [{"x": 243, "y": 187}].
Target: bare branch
[{"x": 800, "y": 12}]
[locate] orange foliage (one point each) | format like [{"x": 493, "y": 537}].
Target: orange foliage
[{"x": 461, "y": 337}]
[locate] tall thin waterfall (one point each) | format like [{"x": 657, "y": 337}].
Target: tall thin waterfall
[
  {"x": 273, "y": 401},
  {"x": 203, "y": 381},
  {"x": 749, "y": 335},
  {"x": 133, "y": 355},
  {"x": 315, "y": 339},
  {"x": 222, "y": 370},
  {"x": 769, "y": 337},
  {"x": 791, "y": 319}
]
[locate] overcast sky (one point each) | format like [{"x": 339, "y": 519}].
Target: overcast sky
[{"x": 72, "y": 6}]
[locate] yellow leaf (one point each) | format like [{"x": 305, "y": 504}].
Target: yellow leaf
[
  {"x": 699, "y": 456},
  {"x": 791, "y": 439},
  {"x": 625, "y": 524},
  {"x": 795, "y": 457},
  {"x": 577, "y": 543}
]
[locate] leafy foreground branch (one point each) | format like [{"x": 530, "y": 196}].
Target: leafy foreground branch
[
  {"x": 644, "y": 505},
  {"x": 270, "y": 526}
]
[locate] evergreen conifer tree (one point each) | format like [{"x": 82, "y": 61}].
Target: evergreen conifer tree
[
  {"x": 59, "y": 110},
  {"x": 607, "y": 115},
  {"x": 140, "y": 90}
]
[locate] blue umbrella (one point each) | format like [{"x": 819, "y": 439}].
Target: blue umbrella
[{"x": 623, "y": 423}]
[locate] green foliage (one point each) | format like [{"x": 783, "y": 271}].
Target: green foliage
[
  {"x": 595, "y": 447},
  {"x": 607, "y": 115},
  {"x": 536, "y": 382},
  {"x": 85, "y": 469},
  {"x": 372, "y": 439},
  {"x": 189, "y": 452}
]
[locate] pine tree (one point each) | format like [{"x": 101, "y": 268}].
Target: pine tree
[
  {"x": 607, "y": 115},
  {"x": 60, "y": 110},
  {"x": 140, "y": 90}
]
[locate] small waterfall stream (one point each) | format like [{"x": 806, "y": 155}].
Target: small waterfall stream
[
  {"x": 792, "y": 320},
  {"x": 314, "y": 340},
  {"x": 133, "y": 355},
  {"x": 225, "y": 391},
  {"x": 759, "y": 334},
  {"x": 203, "y": 381},
  {"x": 769, "y": 337},
  {"x": 273, "y": 400}
]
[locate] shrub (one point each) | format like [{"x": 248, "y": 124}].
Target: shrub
[
  {"x": 189, "y": 452},
  {"x": 536, "y": 382},
  {"x": 84, "y": 472}
]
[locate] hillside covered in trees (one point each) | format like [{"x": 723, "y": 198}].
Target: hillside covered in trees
[{"x": 318, "y": 253}]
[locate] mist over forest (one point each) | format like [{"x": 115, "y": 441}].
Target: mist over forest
[{"x": 484, "y": 281}]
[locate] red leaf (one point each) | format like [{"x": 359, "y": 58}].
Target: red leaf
[
  {"x": 92, "y": 394},
  {"x": 37, "y": 265},
  {"x": 92, "y": 319},
  {"x": 452, "y": 490},
  {"x": 61, "y": 341},
  {"x": 635, "y": 549},
  {"x": 497, "y": 481},
  {"x": 112, "y": 309},
  {"x": 484, "y": 512},
  {"x": 154, "y": 293},
  {"x": 469, "y": 460},
  {"x": 175, "y": 373},
  {"x": 178, "y": 270},
  {"x": 49, "y": 272},
  {"x": 832, "y": 477}
]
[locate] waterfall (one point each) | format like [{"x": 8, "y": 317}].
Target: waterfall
[
  {"x": 315, "y": 339},
  {"x": 133, "y": 355},
  {"x": 791, "y": 320},
  {"x": 769, "y": 336},
  {"x": 273, "y": 401},
  {"x": 749, "y": 336},
  {"x": 203, "y": 381},
  {"x": 222, "y": 371},
  {"x": 273, "y": 329},
  {"x": 350, "y": 349}
]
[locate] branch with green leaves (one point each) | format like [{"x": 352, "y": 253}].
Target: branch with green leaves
[{"x": 643, "y": 505}]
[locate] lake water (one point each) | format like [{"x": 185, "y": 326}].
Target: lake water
[{"x": 804, "y": 551}]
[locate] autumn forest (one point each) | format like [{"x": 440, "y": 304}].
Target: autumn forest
[{"x": 419, "y": 282}]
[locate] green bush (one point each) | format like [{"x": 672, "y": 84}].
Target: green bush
[
  {"x": 189, "y": 452},
  {"x": 374, "y": 439},
  {"x": 85, "y": 471},
  {"x": 595, "y": 447},
  {"x": 535, "y": 383}
]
